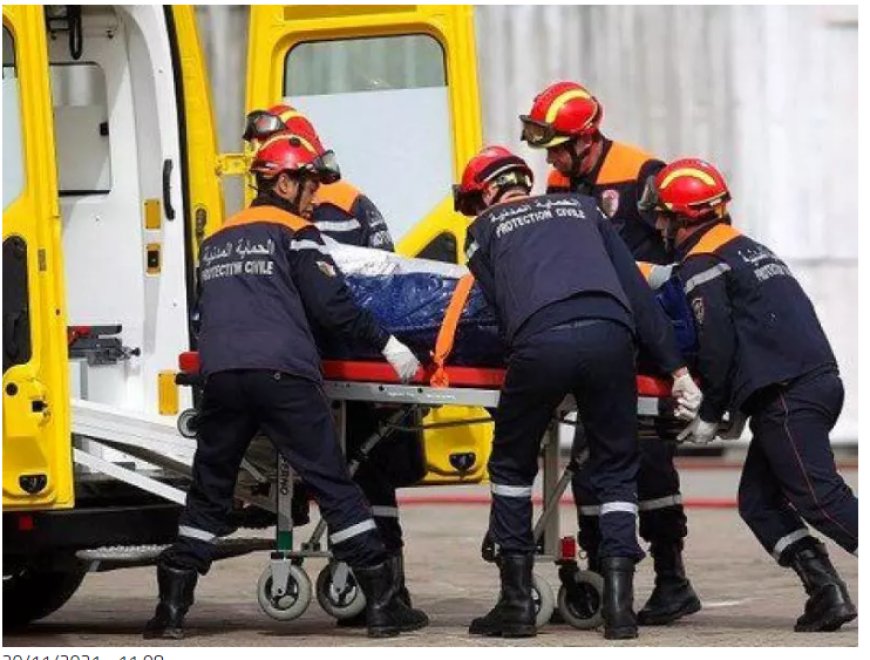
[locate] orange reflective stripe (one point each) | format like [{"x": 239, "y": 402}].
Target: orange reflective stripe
[
  {"x": 622, "y": 163},
  {"x": 265, "y": 214},
  {"x": 340, "y": 194},
  {"x": 646, "y": 269},
  {"x": 447, "y": 332},
  {"x": 558, "y": 180},
  {"x": 714, "y": 239}
]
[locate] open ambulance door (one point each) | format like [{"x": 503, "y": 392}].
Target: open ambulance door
[
  {"x": 37, "y": 455},
  {"x": 393, "y": 91}
]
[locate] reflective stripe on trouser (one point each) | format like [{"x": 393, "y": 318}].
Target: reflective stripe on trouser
[
  {"x": 790, "y": 461},
  {"x": 294, "y": 413},
  {"x": 661, "y": 514},
  {"x": 596, "y": 363},
  {"x": 375, "y": 475}
]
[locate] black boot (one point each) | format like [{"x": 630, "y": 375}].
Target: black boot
[
  {"x": 514, "y": 613},
  {"x": 673, "y": 596},
  {"x": 386, "y": 614},
  {"x": 620, "y": 621},
  {"x": 359, "y": 620},
  {"x": 176, "y": 587},
  {"x": 829, "y": 605}
]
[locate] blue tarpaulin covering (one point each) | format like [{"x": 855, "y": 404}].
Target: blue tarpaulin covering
[{"x": 412, "y": 305}]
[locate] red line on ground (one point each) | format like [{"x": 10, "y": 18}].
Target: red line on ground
[{"x": 477, "y": 500}]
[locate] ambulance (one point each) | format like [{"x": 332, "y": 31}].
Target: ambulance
[{"x": 112, "y": 179}]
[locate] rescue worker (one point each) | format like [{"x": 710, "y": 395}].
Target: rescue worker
[
  {"x": 263, "y": 276},
  {"x": 340, "y": 210},
  {"x": 565, "y": 120},
  {"x": 344, "y": 214},
  {"x": 763, "y": 355},
  {"x": 569, "y": 299}
]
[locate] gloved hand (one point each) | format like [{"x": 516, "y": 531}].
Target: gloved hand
[
  {"x": 735, "y": 427},
  {"x": 687, "y": 395},
  {"x": 401, "y": 359},
  {"x": 699, "y": 432}
]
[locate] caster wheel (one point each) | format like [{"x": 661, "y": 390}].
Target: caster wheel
[
  {"x": 187, "y": 423},
  {"x": 295, "y": 600},
  {"x": 581, "y": 606},
  {"x": 338, "y": 593},
  {"x": 545, "y": 602}
]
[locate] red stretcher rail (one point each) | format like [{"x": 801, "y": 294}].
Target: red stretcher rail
[{"x": 475, "y": 377}]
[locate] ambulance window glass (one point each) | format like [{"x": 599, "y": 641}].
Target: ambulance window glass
[
  {"x": 382, "y": 105},
  {"x": 81, "y": 125},
  {"x": 13, "y": 153}
]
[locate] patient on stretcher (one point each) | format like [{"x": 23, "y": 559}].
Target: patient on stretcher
[{"x": 409, "y": 297}]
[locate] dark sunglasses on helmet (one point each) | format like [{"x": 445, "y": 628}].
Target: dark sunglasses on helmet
[{"x": 260, "y": 124}]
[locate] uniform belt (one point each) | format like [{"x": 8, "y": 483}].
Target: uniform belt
[{"x": 579, "y": 323}]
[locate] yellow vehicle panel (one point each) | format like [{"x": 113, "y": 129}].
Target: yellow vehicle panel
[{"x": 37, "y": 453}]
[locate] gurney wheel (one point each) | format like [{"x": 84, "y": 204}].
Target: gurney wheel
[
  {"x": 344, "y": 603},
  {"x": 186, "y": 423},
  {"x": 294, "y": 601},
  {"x": 545, "y": 602},
  {"x": 584, "y": 613}
]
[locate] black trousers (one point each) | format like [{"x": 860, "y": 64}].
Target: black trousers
[
  {"x": 790, "y": 475},
  {"x": 594, "y": 361},
  {"x": 396, "y": 460},
  {"x": 295, "y": 414},
  {"x": 660, "y": 503}
]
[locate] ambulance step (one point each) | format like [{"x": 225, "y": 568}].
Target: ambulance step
[{"x": 126, "y": 556}]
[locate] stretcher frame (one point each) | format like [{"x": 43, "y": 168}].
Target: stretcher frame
[{"x": 376, "y": 383}]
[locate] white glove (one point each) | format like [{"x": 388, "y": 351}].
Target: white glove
[
  {"x": 735, "y": 427},
  {"x": 401, "y": 359},
  {"x": 688, "y": 397},
  {"x": 699, "y": 432}
]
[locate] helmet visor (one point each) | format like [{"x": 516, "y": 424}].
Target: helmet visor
[
  {"x": 261, "y": 124},
  {"x": 326, "y": 167},
  {"x": 649, "y": 201},
  {"x": 536, "y": 133}
]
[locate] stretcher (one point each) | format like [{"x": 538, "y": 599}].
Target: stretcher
[{"x": 285, "y": 590}]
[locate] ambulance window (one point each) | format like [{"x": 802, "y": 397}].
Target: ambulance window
[
  {"x": 81, "y": 125},
  {"x": 382, "y": 105},
  {"x": 13, "y": 154}
]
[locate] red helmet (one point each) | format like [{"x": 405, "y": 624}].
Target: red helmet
[
  {"x": 286, "y": 152},
  {"x": 688, "y": 187},
  {"x": 562, "y": 112},
  {"x": 492, "y": 165},
  {"x": 262, "y": 124}
]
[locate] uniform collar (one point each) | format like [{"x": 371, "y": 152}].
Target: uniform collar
[{"x": 686, "y": 246}]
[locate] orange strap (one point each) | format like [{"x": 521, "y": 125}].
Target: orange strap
[
  {"x": 447, "y": 333},
  {"x": 646, "y": 269}
]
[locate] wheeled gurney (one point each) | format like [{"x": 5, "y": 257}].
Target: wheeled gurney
[{"x": 285, "y": 590}]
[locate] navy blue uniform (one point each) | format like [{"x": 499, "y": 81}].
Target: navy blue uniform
[
  {"x": 569, "y": 330},
  {"x": 617, "y": 183},
  {"x": 262, "y": 276},
  {"x": 762, "y": 351},
  {"x": 343, "y": 213}
]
